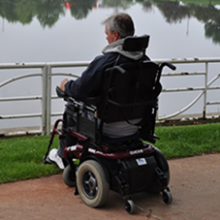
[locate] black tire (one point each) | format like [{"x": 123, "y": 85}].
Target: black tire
[
  {"x": 130, "y": 206},
  {"x": 68, "y": 177},
  {"x": 92, "y": 185},
  {"x": 167, "y": 197}
]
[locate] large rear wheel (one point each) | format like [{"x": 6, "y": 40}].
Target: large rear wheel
[{"x": 92, "y": 185}]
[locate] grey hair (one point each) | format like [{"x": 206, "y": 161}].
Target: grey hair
[{"x": 122, "y": 23}]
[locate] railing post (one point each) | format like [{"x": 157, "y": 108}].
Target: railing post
[
  {"x": 44, "y": 100},
  {"x": 205, "y": 90},
  {"x": 48, "y": 112}
]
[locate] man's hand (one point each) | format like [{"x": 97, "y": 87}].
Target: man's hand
[{"x": 62, "y": 84}]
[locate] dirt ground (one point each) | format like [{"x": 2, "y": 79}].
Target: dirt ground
[{"x": 195, "y": 187}]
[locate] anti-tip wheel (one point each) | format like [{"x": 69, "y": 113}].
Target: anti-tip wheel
[
  {"x": 167, "y": 197},
  {"x": 129, "y": 206}
]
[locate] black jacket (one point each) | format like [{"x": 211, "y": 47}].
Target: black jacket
[{"x": 90, "y": 83}]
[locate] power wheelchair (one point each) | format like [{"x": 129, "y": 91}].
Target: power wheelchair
[{"x": 128, "y": 165}]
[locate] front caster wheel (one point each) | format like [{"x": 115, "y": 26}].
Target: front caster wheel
[
  {"x": 129, "y": 206},
  {"x": 167, "y": 197}
]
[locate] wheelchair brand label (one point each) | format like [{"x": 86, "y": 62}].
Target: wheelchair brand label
[
  {"x": 72, "y": 148},
  {"x": 136, "y": 152},
  {"x": 141, "y": 161}
]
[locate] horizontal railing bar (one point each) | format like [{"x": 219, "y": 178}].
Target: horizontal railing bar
[
  {"x": 184, "y": 74},
  {"x": 24, "y": 98},
  {"x": 65, "y": 74},
  {"x": 212, "y": 103},
  {"x": 189, "y": 60},
  {"x": 190, "y": 89},
  {"x": 20, "y": 116},
  {"x": 69, "y": 64},
  {"x": 21, "y": 65},
  {"x": 41, "y": 65}
]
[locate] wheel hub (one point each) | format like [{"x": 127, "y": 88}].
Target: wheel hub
[{"x": 90, "y": 185}]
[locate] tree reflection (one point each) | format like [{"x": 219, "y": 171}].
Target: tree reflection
[
  {"x": 48, "y": 12},
  {"x": 148, "y": 6},
  {"x": 209, "y": 15},
  {"x": 173, "y": 11},
  {"x": 117, "y": 3},
  {"x": 80, "y": 9},
  {"x": 14, "y": 11},
  {"x": 212, "y": 30},
  {"x": 24, "y": 11}
]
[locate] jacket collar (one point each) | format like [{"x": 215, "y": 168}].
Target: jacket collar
[{"x": 116, "y": 47}]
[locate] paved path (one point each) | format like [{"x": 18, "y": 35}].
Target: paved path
[{"x": 195, "y": 186}]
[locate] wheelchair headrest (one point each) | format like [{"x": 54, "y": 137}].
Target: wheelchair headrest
[{"x": 134, "y": 43}]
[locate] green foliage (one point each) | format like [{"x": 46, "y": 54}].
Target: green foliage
[
  {"x": 22, "y": 158},
  {"x": 185, "y": 141}
]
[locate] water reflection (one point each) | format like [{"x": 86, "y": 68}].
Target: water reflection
[
  {"x": 80, "y": 9},
  {"x": 209, "y": 15},
  {"x": 48, "y": 12}
]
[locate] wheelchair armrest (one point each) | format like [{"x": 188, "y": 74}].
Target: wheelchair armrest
[
  {"x": 61, "y": 93},
  {"x": 86, "y": 101}
]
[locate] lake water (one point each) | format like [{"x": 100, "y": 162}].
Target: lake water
[{"x": 44, "y": 31}]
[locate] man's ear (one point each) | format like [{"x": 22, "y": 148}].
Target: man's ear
[{"x": 116, "y": 35}]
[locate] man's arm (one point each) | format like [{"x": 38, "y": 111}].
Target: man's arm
[{"x": 90, "y": 83}]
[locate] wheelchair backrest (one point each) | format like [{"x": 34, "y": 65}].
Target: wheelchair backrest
[{"x": 130, "y": 91}]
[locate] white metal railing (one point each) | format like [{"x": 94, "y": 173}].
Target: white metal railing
[
  {"x": 207, "y": 85},
  {"x": 46, "y": 74}
]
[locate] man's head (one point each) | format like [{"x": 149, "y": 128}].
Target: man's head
[{"x": 118, "y": 26}]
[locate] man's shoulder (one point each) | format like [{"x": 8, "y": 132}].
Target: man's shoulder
[{"x": 105, "y": 58}]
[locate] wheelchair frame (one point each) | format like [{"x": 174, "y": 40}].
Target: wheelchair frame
[
  {"x": 126, "y": 165},
  {"x": 91, "y": 166}
]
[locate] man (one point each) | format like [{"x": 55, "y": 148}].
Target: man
[
  {"x": 117, "y": 27},
  {"x": 89, "y": 84}
]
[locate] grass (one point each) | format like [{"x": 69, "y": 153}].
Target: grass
[
  {"x": 186, "y": 141},
  {"x": 21, "y": 157}
]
